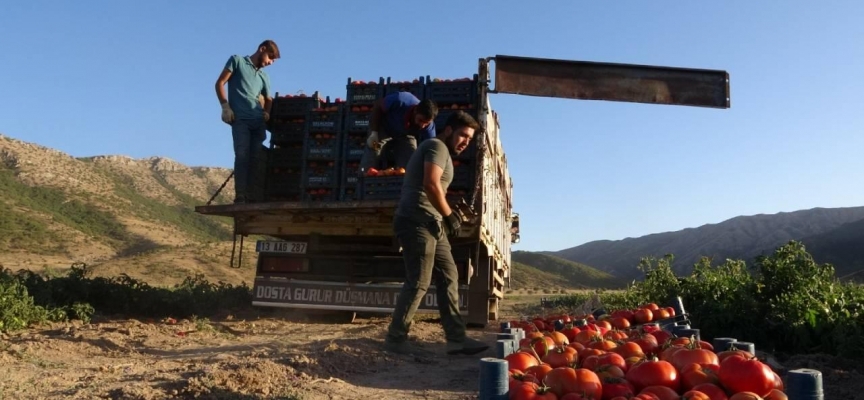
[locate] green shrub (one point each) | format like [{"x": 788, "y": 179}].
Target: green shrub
[
  {"x": 786, "y": 302},
  {"x": 27, "y": 297}
]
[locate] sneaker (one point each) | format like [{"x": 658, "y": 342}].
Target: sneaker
[
  {"x": 468, "y": 346},
  {"x": 405, "y": 348}
]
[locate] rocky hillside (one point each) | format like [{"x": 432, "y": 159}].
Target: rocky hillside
[
  {"x": 743, "y": 237},
  {"x": 119, "y": 214},
  {"x": 537, "y": 271}
]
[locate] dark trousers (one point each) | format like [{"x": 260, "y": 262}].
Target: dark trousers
[
  {"x": 425, "y": 249},
  {"x": 248, "y": 136},
  {"x": 396, "y": 153}
]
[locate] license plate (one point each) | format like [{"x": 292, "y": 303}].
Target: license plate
[{"x": 279, "y": 246}]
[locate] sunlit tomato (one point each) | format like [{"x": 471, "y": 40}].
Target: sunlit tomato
[
  {"x": 685, "y": 357},
  {"x": 739, "y": 374},
  {"x": 568, "y": 380},
  {"x": 662, "y": 392},
  {"x": 521, "y": 360},
  {"x": 531, "y": 391},
  {"x": 697, "y": 374},
  {"x": 561, "y": 356},
  {"x": 713, "y": 391},
  {"x": 653, "y": 373},
  {"x": 539, "y": 371}
]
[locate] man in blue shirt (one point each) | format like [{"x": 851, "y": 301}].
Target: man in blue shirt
[
  {"x": 398, "y": 122},
  {"x": 243, "y": 109}
]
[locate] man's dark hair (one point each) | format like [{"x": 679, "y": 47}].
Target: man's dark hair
[
  {"x": 271, "y": 47},
  {"x": 461, "y": 119},
  {"x": 428, "y": 109}
]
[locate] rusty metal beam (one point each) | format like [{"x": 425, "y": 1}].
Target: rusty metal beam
[{"x": 608, "y": 81}]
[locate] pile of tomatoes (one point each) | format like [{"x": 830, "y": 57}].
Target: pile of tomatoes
[{"x": 622, "y": 356}]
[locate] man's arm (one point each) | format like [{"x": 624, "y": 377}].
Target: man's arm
[
  {"x": 378, "y": 110},
  {"x": 429, "y": 132},
  {"x": 220, "y": 85},
  {"x": 432, "y": 185}
]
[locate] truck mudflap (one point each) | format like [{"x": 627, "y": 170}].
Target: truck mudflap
[{"x": 322, "y": 295}]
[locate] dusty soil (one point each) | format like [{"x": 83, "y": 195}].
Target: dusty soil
[{"x": 266, "y": 355}]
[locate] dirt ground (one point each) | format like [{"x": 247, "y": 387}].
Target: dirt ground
[{"x": 265, "y": 355}]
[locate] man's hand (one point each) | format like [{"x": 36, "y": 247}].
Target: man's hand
[
  {"x": 372, "y": 140},
  {"x": 227, "y": 114},
  {"x": 452, "y": 223},
  {"x": 266, "y": 116}
]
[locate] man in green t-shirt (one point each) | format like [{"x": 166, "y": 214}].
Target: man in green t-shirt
[
  {"x": 244, "y": 110},
  {"x": 423, "y": 223}
]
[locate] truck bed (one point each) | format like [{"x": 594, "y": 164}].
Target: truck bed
[{"x": 341, "y": 218}]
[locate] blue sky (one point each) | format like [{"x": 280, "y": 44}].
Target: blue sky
[{"x": 136, "y": 78}]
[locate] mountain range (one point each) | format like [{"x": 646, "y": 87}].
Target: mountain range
[
  {"x": 834, "y": 235},
  {"x": 121, "y": 215}
]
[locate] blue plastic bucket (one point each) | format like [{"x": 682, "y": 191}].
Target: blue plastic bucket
[
  {"x": 804, "y": 384},
  {"x": 494, "y": 379}
]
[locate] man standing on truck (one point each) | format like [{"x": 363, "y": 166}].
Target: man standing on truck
[
  {"x": 398, "y": 122},
  {"x": 243, "y": 110},
  {"x": 422, "y": 224}
]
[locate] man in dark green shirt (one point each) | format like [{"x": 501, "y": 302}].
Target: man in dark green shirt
[{"x": 423, "y": 223}]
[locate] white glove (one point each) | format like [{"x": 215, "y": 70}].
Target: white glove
[
  {"x": 372, "y": 140},
  {"x": 227, "y": 113}
]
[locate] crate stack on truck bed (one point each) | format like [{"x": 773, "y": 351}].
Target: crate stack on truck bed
[
  {"x": 361, "y": 98},
  {"x": 322, "y": 152},
  {"x": 317, "y": 145},
  {"x": 289, "y": 128}
]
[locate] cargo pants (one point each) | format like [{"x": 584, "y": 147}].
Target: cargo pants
[
  {"x": 248, "y": 137},
  {"x": 425, "y": 249}
]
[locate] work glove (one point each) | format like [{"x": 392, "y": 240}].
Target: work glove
[
  {"x": 227, "y": 113},
  {"x": 452, "y": 223},
  {"x": 372, "y": 140}
]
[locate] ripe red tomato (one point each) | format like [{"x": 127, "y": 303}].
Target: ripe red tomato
[
  {"x": 629, "y": 349},
  {"x": 620, "y": 323},
  {"x": 746, "y": 396},
  {"x": 538, "y": 371},
  {"x": 570, "y": 333},
  {"x": 685, "y": 357},
  {"x": 521, "y": 360},
  {"x": 518, "y": 380},
  {"x": 697, "y": 374},
  {"x": 558, "y": 338},
  {"x": 611, "y": 359},
  {"x": 661, "y": 336},
  {"x": 662, "y": 392},
  {"x": 562, "y": 356},
  {"x": 609, "y": 371},
  {"x": 647, "y": 342},
  {"x": 542, "y": 345},
  {"x": 776, "y": 394},
  {"x": 614, "y": 387},
  {"x": 739, "y": 374},
  {"x": 531, "y": 391},
  {"x": 568, "y": 380},
  {"x": 653, "y": 373},
  {"x": 695, "y": 395},
  {"x": 643, "y": 315},
  {"x": 713, "y": 391}
]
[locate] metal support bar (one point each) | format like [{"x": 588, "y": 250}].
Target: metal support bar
[{"x": 609, "y": 81}]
